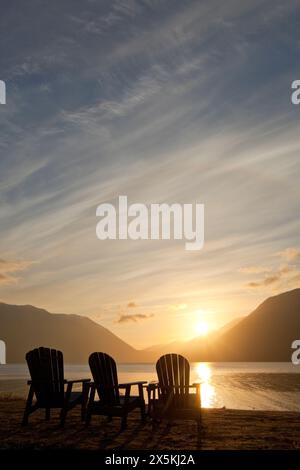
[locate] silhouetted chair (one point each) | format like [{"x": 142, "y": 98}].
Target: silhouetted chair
[
  {"x": 170, "y": 397},
  {"x": 46, "y": 367},
  {"x": 111, "y": 403}
]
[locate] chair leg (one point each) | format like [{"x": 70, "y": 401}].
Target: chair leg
[
  {"x": 88, "y": 417},
  {"x": 143, "y": 412},
  {"x": 25, "y": 417},
  {"x": 149, "y": 401},
  {"x": 63, "y": 415},
  {"x": 66, "y": 407},
  {"x": 88, "y": 414},
  {"x": 83, "y": 412},
  {"x": 28, "y": 407},
  {"x": 85, "y": 397},
  {"x": 142, "y": 402}
]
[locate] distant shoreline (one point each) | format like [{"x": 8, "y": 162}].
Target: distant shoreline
[{"x": 244, "y": 386}]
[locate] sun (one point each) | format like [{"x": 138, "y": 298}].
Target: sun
[{"x": 202, "y": 328}]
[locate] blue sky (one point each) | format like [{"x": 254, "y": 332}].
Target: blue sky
[{"x": 164, "y": 101}]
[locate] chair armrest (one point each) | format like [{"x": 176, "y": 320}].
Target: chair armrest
[
  {"x": 140, "y": 382},
  {"x": 186, "y": 387},
  {"x": 32, "y": 382},
  {"x": 152, "y": 385},
  {"x": 78, "y": 381},
  {"x": 91, "y": 384}
]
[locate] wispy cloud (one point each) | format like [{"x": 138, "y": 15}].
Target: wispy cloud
[
  {"x": 267, "y": 281},
  {"x": 9, "y": 268},
  {"x": 254, "y": 269},
  {"x": 278, "y": 277},
  {"x": 134, "y": 318},
  {"x": 290, "y": 254}
]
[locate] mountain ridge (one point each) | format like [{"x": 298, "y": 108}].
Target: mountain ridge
[
  {"x": 24, "y": 327},
  {"x": 266, "y": 334}
]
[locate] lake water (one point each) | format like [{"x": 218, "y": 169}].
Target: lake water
[{"x": 259, "y": 386}]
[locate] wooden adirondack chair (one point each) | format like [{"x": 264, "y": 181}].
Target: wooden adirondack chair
[
  {"x": 111, "y": 403},
  {"x": 170, "y": 397},
  {"x": 46, "y": 367}
]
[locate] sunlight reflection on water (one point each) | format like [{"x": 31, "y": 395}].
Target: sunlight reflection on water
[
  {"x": 204, "y": 372},
  {"x": 247, "y": 386}
]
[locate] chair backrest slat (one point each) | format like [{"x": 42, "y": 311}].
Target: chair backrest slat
[
  {"x": 173, "y": 372},
  {"x": 104, "y": 371},
  {"x": 46, "y": 369}
]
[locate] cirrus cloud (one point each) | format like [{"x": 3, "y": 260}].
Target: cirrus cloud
[
  {"x": 134, "y": 318},
  {"x": 8, "y": 268},
  {"x": 290, "y": 254},
  {"x": 274, "y": 277}
]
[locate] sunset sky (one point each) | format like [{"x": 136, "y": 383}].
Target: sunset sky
[{"x": 162, "y": 101}]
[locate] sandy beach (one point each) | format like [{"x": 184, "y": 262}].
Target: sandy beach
[{"x": 221, "y": 429}]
